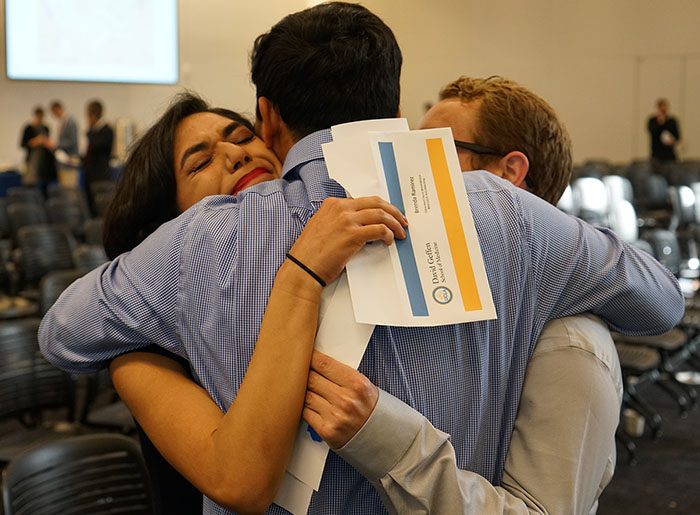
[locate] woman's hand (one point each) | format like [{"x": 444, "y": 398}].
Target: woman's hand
[
  {"x": 339, "y": 400},
  {"x": 341, "y": 227}
]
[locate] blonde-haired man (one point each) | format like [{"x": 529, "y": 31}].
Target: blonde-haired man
[
  {"x": 502, "y": 127},
  {"x": 562, "y": 451}
]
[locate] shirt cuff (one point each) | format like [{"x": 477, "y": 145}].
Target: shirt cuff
[{"x": 384, "y": 438}]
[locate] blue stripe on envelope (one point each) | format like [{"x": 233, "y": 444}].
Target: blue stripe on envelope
[{"x": 404, "y": 247}]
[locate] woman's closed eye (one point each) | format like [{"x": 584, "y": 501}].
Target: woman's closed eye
[
  {"x": 242, "y": 139},
  {"x": 200, "y": 165}
]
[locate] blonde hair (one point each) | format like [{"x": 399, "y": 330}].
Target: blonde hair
[{"x": 513, "y": 118}]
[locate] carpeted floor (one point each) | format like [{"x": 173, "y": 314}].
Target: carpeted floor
[{"x": 666, "y": 479}]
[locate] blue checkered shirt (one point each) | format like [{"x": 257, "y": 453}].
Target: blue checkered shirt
[{"x": 198, "y": 287}]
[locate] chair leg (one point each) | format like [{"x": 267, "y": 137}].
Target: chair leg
[
  {"x": 651, "y": 416},
  {"x": 676, "y": 391},
  {"x": 629, "y": 445}
]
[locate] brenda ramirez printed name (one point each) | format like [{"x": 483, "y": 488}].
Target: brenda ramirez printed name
[{"x": 414, "y": 196}]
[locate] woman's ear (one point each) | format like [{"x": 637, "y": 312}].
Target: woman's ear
[
  {"x": 269, "y": 122},
  {"x": 515, "y": 166}
]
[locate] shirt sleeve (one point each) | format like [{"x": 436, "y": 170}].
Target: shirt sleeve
[
  {"x": 119, "y": 307},
  {"x": 568, "y": 391},
  {"x": 579, "y": 268}
]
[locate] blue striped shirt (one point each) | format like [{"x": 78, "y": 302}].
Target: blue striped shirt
[{"x": 198, "y": 287}]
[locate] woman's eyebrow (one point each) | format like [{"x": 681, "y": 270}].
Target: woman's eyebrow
[
  {"x": 192, "y": 150},
  {"x": 229, "y": 129}
]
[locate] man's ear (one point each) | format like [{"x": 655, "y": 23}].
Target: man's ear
[
  {"x": 515, "y": 166},
  {"x": 270, "y": 122}
]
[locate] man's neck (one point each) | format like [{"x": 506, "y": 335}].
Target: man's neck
[{"x": 283, "y": 144}]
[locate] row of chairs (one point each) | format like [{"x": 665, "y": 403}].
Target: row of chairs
[
  {"x": 97, "y": 474},
  {"x": 40, "y": 403},
  {"x": 47, "y": 244},
  {"x": 676, "y": 173},
  {"x": 64, "y": 206},
  {"x": 669, "y": 230}
]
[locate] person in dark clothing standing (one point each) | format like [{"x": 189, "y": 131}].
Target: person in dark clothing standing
[
  {"x": 99, "y": 150},
  {"x": 41, "y": 165},
  {"x": 664, "y": 132}
]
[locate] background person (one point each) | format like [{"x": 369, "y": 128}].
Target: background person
[
  {"x": 664, "y": 133},
  {"x": 100, "y": 138},
  {"x": 39, "y": 160},
  {"x": 67, "y": 138}
]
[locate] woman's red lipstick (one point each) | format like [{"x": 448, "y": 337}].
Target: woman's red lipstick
[{"x": 248, "y": 178}]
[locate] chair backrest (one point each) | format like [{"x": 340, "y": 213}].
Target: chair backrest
[
  {"x": 66, "y": 212},
  {"x": 85, "y": 475},
  {"x": 623, "y": 220},
  {"x": 53, "y": 284},
  {"x": 23, "y": 214},
  {"x": 666, "y": 249},
  {"x": 28, "y": 382},
  {"x": 650, "y": 191},
  {"x": 591, "y": 198},
  {"x": 103, "y": 187},
  {"x": 683, "y": 203},
  {"x": 75, "y": 194},
  {"x": 618, "y": 188},
  {"x": 102, "y": 201},
  {"x": 696, "y": 189},
  {"x": 88, "y": 257},
  {"x": 25, "y": 194},
  {"x": 566, "y": 202},
  {"x": 93, "y": 229},
  {"x": 44, "y": 248},
  {"x": 5, "y": 229}
]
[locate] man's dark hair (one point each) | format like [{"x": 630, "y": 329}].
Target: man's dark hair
[
  {"x": 330, "y": 64},
  {"x": 146, "y": 195},
  {"x": 95, "y": 108},
  {"x": 56, "y": 104}
]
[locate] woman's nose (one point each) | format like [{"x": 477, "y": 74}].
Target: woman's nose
[
  {"x": 244, "y": 159},
  {"x": 235, "y": 155}
]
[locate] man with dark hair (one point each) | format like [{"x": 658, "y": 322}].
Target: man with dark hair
[
  {"x": 99, "y": 150},
  {"x": 199, "y": 285},
  {"x": 326, "y": 66},
  {"x": 39, "y": 160}
]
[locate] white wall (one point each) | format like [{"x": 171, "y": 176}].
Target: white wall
[{"x": 601, "y": 64}]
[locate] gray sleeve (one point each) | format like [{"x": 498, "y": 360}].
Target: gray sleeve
[
  {"x": 413, "y": 467},
  {"x": 572, "y": 389}
]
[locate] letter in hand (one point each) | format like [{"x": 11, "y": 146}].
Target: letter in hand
[
  {"x": 341, "y": 227},
  {"x": 339, "y": 400}
]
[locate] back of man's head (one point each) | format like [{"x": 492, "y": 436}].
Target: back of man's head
[
  {"x": 513, "y": 118},
  {"x": 95, "y": 109},
  {"x": 330, "y": 64}
]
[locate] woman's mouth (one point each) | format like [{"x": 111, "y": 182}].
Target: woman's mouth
[{"x": 248, "y": 178}]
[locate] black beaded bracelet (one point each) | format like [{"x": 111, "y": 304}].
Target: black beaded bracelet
[{"x": 306, "y": 269}]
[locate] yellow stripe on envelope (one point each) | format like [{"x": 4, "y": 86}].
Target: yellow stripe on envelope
[{"x": 453, "y": 225}]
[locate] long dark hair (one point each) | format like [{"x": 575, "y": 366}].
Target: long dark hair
[{"x": 146, "y": 193}]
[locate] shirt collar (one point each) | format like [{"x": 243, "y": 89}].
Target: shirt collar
[{"x": 305, "y": 150}]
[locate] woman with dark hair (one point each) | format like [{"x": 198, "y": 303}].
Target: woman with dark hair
[
  {"x": 147, "y": 194},
  {"x": 236, "y": 458}
]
